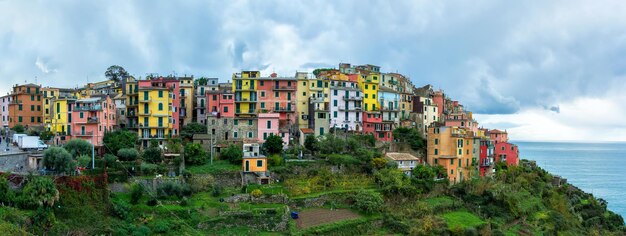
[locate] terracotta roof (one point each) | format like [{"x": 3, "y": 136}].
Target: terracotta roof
[
  {"x": 307, "y": 131},
  {"x": 398, "y": 156}
]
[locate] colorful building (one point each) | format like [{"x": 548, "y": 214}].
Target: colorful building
[
  {"x": 158, "y": 109},
  {"x": 4, "y": 110},
  {"x": 268, "y": 124},
  {"x": 25, "y": 106},
  {"x": 507, "y": 152},
  {"x": 487, "y": 158},
  {"x": 278, "y": 95},
  {"x": 132, "y": 106},
  {"x": 346, "y": 104},
  {"x": 202, "y": 86},
  {"x": 451, "y": 148},
  {"x": 373, "y": 124},
  {"x": 429, "y": 111},
  {"x": 185, "y": 111},
  {"x": 498, "y": 136},
  {"x": 389, "y": 101},
  {"x": 405, "y": 161},
  {"x": 245, "y": 88},
  {"x": 91, "y": 118}
]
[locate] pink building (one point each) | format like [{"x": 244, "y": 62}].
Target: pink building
[
  {"x": 462, "y": 120},
  {"x": 268, "y": 123},
  {"x": 278, "y": 95},
  {"x": 91, "y": 118},
  {"x": 498, "y": 136}
]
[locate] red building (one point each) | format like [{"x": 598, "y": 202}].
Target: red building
[
  {"x": 508, "y": 152},
  {"x": 278, "y": 95},
  {"x": 221, "y": 102},
  {"x": 373, "y": 124},
  {"x": 486, "y": 157},
  {"x": 498, "y": 136},
  {"x": 438, "y": 99}
]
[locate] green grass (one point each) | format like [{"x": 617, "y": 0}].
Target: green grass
[
  {"x": 320, "y": 193},
  {"x": 439, "y": 202},
  {"x": 267, "y": 189},
  {"x": 218, "y": 167},
  {"x": 462, "y": 219}
]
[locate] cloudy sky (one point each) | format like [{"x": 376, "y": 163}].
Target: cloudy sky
[{"x": 543, "y": 71}]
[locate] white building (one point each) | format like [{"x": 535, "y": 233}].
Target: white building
[
  {"x": 430, "y": 112},
  {"x": 4, "y": 110},
  {"x": 406, "y": 162},
  {"x": 346, "y": 105}
]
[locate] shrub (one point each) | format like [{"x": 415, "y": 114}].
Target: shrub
[
  {"x": 18, "y": 129},
  {"x": 275, "y": 160},
  {"x": 201, "y": 183},
  {"x": 136, "y": 192},
  {"x": 184, "y": 202},
  {"x": 338, "y": 159},
  {"x": 256, "y": 193},
  {"x": 232, "y": 153},
  {"x": 171, "y": 189},
  {"x": 217, "y": 190},
  {"x": 83, "y": 160},
  {"x": 7, "y": 196},
  {"x": 368, "y": 202},
  {"x": 160, "y": 226},
  {"x": 148, "y": 169},
  {"x": 110, "y": 159},
  {"x": 120, "y": 209},
  {"x": 78, "y": 147},
  {"x": 152, "y": 202},
  {"x": 194, "y": 154},
  {"x": 128, "y": 154},
  {"x": 118, "y": 140},
  {"x": 273, "y": 144},
  {"x": 39, "y": 192}
]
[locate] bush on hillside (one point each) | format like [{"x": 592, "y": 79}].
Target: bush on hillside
[{"x": 128, "y": 154}]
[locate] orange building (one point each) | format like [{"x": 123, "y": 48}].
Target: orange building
[
  {"x": 25, "y": 106},
  {"x": 452, "y": 148}
]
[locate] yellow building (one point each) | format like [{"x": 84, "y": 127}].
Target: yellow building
[
  {"x": 244, "y": 87},
  {"x": 48, "y": 95},
  {"x": 314, "y": 93},
  {"x": 59, "y": 116},
  {"x": 452, "y": 148},
  {"x": 369, "y": 83},
  {"x": 132, "y": 104},
  {"x": 186, "y": 101},
  {"x": 154, "y": 110}
]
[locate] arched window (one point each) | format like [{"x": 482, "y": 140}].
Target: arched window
[{"x": 160, "y": 106}]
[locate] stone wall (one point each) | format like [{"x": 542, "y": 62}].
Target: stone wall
[{"x": 14, "y": 162}]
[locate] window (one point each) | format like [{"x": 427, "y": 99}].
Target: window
[
  {"x": 436, "y": 151},
  {"x": 80, "y": 115},
  {"x": 321, "y": 130},
  {"x": 32, "y": 119},
  {"x": 235, "y": 122},
  {"x": 160, "y": 106},
  {"x": 249, "y": 122},
  {"x": 262, "y": 83},
  {"x": 276, "y": 94},
  {"x": 225, "y": 109},
  {"x": 451, "y": 161},
  {"x": 249, "y": 134},
  {"x": 20, "y": 107},
  {"x": 262, "y": 93},
  {"x": 259, "y": 163},
  {"x": 160, "y": 93},
  {"x": 262, "y": 105},
  {"x": 269, "y": 124},
  {"x": 304, "y": 94},
  {"x": 436, "y": 141},
  {"x": 460, "y": 163},
  {"x": 335, "y": 114},
  {"x": 235, "y": 134},
  {"x": 32, "y": 107},
  {"x": 264, "y": 136},
  {"x": 19, "y": 119}
]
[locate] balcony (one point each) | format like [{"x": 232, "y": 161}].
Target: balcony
[
  {"x": 83, "y": 134},
  {"x": 158, "y": 136},
  {"x": 283, "y": 109},
  {"x": 486, "y": 164},
  {"x": 16, "y": 102},
  {"x": 285, "y": 88},
  {"x": 341, "y": 108},
  {"x": 317, "y": 100},
  {"x": 92, "y": 120},
  {"x": 242, "y": 89},
  {"x": 352, "y": 98},
  {"x": 243, "y": 112},
  {"x": 88, "y": 108},
  {"x": 246, "y": 100}
]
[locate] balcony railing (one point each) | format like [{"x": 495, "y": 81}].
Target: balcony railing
[
  {"x": 16, "y": 102},
  {"x": 90, "y": 133},
  {"x": 283, "y": 109},
  {"x": 88, "y": 108},
  {"x": 352, "y": 98},
  {"x": 92, "y": 120},
  {"x": 284, "y": 88},
  {"x": 341, "y": 108},
  {"x": 247, "y": 100}
]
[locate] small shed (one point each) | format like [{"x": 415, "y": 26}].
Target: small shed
[{"x": 406, "y": 162}]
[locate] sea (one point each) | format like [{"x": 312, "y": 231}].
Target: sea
[{"x": 597, "y": 168}]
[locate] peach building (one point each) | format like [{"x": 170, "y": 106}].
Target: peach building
[
  {"x": 452, "y": 148},
  {"x": 25, "y": 106},
  {"x": 91, "y": 118}
]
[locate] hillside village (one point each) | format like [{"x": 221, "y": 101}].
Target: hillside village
[{"x": 339, "y": 151}]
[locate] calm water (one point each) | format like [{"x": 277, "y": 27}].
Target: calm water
[{"x": 597, "y": 168}]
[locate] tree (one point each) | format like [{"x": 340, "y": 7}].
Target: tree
[
  {"x": 311, "y": 143},
  {"x": 119, "y": 139},
  {"x": 40, "y": 192},
  {"x": 190, "y": 129},
  {"x": 194, "y": 154},
  {"x": 424, "y": 177},
  {"x": 128, "y": 154},
  {"x": 392, "y": 181},
  {"x": 116, "y": 73},
  {"x": 78, "y": 147},
  {"x": 136, "y": 192},
  {"x": 411, "y": 136},
  {"x": 58, "y": 159},
  {"x": 6, "y": 193},
  {"x": 152, "y": 154},
  {"x": 201, "y": 81},
  {"x": 232, "y": 153},
  {"x": 46, "y": 136},
  {"x": 379, "y": 162},
  {"x": 331, "y": 144},
  {"x": 19, "y": 129},
  {"x": 273, "y": 144},
  {"x": 368, "y": 201}
]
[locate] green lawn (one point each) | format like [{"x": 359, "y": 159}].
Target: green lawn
[
  {"x": 462, "y": 219},
  {"x": 217, "y": 167}
]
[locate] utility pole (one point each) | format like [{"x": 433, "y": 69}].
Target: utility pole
[{"x": 93, "y": 156}]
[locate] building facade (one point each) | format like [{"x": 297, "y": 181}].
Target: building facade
[
  {"x": 25, "y": 107},
  {"x": 91, "y": 118}
]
